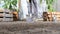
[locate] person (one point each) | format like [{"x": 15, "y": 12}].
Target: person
[{"x": 33, "y": 8}]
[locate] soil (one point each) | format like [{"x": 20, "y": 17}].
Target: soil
[{"x": 22, "y": 27}]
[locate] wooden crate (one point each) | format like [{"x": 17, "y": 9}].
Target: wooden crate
[
  {"x": 52, "y": 14},
  {"x": 6, "y": 15}
]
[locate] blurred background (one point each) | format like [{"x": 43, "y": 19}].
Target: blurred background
[{"x": 35, "y": 8}]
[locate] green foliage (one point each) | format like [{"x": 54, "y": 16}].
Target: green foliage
[
  {"x": 9, "y": 4},
  {"x": 49, "y": 3},
  {"x": 40, "y": 1}
]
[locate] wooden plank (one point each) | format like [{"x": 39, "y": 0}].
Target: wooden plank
[
  {"x": 55, "y": 13},
  {"x": 1, "y": 14},
  {"x": 1, "y": 19},
  {"x": 58, "y": 18},
  {"x": 49, "y": 12},
  {"x": 8, "y": 19},
  {"x": 1, "y": 10},
  {"x": 49, "y": 15},
  {"x": 8, "y": 15},
  {"x": 50, "y": 18}
]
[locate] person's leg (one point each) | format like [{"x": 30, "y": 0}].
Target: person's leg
[
  {"x": 35, "y": 8},
  {"x": 30, "y": 7}
]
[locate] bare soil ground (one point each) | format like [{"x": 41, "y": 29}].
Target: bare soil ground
[{"x": 22, "y": 27}]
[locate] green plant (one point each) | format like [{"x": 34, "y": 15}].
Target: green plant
[
  {"x": 49, "y": 3},
  {"x": 10, "y": 4}
]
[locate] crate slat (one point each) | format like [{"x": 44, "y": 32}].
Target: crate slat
[
  {"x": 1, "y": 19},
  {"x": 8, "y": 15},
  {"x": 8, "y": 19},
  {"x": 2, "y": 14}
]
